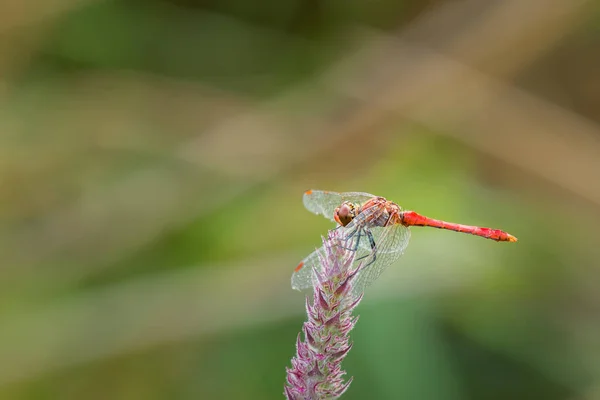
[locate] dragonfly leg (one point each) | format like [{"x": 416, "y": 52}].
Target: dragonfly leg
[
  {"x": 352, "y": 233},
  {"x": 357, "y": 241},
  {"x": 355, "y": 246},
  {"x": 373, "y": 245},
  {"x": 373, "y": 249}
]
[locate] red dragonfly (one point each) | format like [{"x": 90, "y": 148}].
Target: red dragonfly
[{"x": 382, "y": 223}]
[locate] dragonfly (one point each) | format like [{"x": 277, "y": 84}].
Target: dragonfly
[{"x": 378, "y": 230}]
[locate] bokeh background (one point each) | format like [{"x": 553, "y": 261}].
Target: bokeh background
[{"x": 153, "y": 156}]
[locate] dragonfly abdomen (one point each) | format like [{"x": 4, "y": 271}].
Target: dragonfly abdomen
[{"x": 411, "y": 218}]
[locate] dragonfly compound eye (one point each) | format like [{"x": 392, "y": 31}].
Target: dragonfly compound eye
[{"x": 345, "y": 213}]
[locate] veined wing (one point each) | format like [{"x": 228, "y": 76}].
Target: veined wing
[
  {"x": 302, "y": 276},
  {"x": 324, "y": 203},
  {"x": 390, "y": 242}
]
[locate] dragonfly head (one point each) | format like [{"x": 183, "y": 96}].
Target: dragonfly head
[{"x": 345, "y": 213}]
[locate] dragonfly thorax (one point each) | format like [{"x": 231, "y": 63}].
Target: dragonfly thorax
[{"x": 380, "y": 212}]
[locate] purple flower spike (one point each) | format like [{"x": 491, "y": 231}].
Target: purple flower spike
[{"x": 316, "y": 371}]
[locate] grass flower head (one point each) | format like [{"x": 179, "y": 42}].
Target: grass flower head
[{"x": 316, "y": 371}]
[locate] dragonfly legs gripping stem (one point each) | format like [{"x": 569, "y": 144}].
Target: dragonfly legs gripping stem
[
  {"x": 373, "y": 249},
  {"x": 354, "y": 248},
  {"x": 349, "y": 236}
]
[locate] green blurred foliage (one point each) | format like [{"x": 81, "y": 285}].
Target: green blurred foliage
[{"x": 508, "y": 332}]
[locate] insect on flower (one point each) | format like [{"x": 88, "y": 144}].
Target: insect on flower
[{"x": 378, "y": 229}]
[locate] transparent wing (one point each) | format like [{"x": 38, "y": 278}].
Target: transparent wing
[
  {"x": 390, "y": 241},
  {"x": 324, "y": 203},
  {"x": 302, "y": 276}
]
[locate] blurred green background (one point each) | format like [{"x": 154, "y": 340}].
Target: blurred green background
[{"x": 153, "y": 156}]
